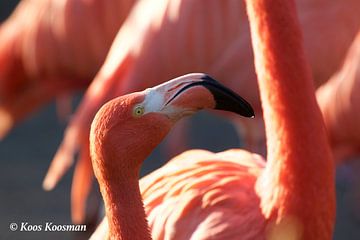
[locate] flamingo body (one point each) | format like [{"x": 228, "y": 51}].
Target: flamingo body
[
  {"x": 203, "y": 195},
  {"x": 50, "y": 49}
]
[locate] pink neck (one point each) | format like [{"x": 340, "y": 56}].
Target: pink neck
[
  {"x": 119, "y": 186},
  {"x": 125, "y": 210},
  {"x": 298, "y": 181}
]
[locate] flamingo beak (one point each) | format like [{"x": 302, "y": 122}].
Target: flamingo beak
[{"x": 193, "y": 92}]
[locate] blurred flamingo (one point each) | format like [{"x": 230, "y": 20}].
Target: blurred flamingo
[
  {"x": 228, "y": 195},
  {"x": 339, "y": 100},
  {"x": 182, "y": 36},
  {"x": 52, "y": 48}
]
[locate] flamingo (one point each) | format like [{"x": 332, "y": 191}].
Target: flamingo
[
  {"x": 170, "y": 42},
  {"x": 49, "y": 49},
  {"x": 228, "y": 195},
  {"x": 339, "y": 101},
  {"x": 52, "y": 48},
  {"x": 153, "y": 111}
]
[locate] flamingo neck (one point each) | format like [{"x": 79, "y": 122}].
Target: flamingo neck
[
  {"x": 119, "y": 186},
  {"x": 298, "y": 182},
  {"x": 124, "y": 209}
]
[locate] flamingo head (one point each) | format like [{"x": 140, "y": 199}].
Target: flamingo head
[{"x": 134, "y": 124}]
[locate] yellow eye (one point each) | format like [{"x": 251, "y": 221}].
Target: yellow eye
[{"x": 138, "y": 111}]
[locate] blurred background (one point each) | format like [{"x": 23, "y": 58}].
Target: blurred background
[{"x": 27, "y": 151}]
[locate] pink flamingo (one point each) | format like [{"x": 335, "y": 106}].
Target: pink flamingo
[
  {"x": 229, "y": 195},
  {"x": 49, "y": 49},
  {"x": 339, "y": 100},
  {"x": 171, "y": 42}
]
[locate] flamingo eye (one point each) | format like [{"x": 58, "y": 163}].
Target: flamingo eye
[{"x": 138, "y": 111}]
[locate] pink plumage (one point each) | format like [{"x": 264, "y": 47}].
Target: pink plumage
[
  {"x": 339, "y": 100},
  {"x": 202, "y": 195},
  {"x": 205, "y": 195}
]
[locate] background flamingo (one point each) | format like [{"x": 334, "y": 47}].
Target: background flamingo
[
  {"x": 50, "y": 49},
  {"x": 340, "y": 103},
  {"x": 169, "y": 43},
  {"x": 339, "y": 100},
  {"x": 205, "y": 195}
]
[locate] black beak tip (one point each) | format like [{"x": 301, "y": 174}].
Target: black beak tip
[
  {"x": 250, "y": 114},
  {"x": 226, "y": 99}
]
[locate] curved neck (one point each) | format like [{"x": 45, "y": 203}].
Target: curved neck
[
  {"x": 119, "y": 186},
  {"x": 116, "y": 166},
  {"x": 124, "y": 209},
  {"x": 298, "y": 181}
]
